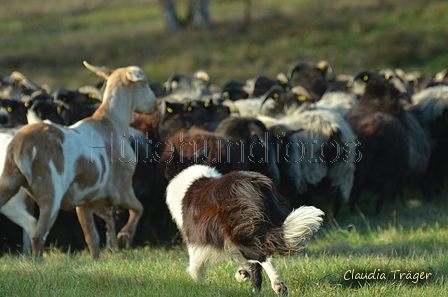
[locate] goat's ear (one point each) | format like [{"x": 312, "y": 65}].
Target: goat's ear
[
  {"x": 100, "y": 71},
  {"x": 162, "y": 107},
  {"x": 364, "y": 76},
  {"x": 134, "y": 73},
  {"x": 273, "y": 93},
  {"x": 325, "y": 67},
  {"x": 208, "y": 103},
  {"x": 165, "y": 107},
  {"x": 283, "y": 79},
  {"x": 302, "y": 94}
]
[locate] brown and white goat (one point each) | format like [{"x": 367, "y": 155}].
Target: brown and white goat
[{"x": 84, "y": 165}]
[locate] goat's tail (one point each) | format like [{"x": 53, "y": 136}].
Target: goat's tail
[
  {"x": 10, "y": 181},
  {"x": 300, "y": 225}
]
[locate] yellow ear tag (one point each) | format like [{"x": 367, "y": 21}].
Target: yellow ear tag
[
  {"x": 169, "y": 109},
  {"x": 207, "y": 104},
  {"x": 189, "y": 108},
  {"x": 301, "y": 98},
  {"x": 232, "y": 110},
  {"x": 39, "y": 113},
  {"x": 275, "y": 97},
  {"x": 365, "y": 78},
  {"x": 27, "y": 104},
  {"x": 387, "y": 76},
  {"x": 59, "y": 110},
  {"x": 9, "y": 108}
]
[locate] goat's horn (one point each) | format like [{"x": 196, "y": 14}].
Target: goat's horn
[{"x": 100, "y": 71}]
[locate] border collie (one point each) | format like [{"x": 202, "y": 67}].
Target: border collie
[{"x": 236, "y": 215}]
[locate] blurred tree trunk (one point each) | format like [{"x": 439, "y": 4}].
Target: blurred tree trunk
[
  {"x": 198, "y": 14},
  {"x": 169, "y": 13}
]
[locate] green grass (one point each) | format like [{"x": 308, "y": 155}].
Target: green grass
[{"x": 407, "y": 239}]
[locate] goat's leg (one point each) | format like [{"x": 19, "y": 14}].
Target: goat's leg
[
  {"x": 85, "y": 217},
  {"x": 48, "y": 213},
  {"x": 277, "y": 284},
  {"x": 105, "y": 212},
  {"x": 16, "y": 210},
  {"x": 135, "y": 208}
]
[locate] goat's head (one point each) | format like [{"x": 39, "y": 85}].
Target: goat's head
[
  {"x": 278, "y": 102},
  {"x": 136, "y": 82}
]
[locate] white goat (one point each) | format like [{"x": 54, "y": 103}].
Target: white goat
[{"x": 82, "y": 165}]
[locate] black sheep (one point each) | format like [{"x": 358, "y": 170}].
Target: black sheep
[
  {"x": 430, "y": 108},
  {"x": 312, "y": 78},
  {"x": 379, "y": 122}
]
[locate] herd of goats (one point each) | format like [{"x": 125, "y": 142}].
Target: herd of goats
[
  {"x": 311, "y": 132},
  {"x": 212, "y": 159}
]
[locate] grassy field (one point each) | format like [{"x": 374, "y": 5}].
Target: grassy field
[
  {"x": 403, "y": 251},
  {"x": 47, "y": 41}
]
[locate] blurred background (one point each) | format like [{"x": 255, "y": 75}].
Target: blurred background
[{"x": 48, "y": 40}]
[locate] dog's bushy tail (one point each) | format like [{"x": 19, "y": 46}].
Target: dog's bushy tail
[{"x": 300, "y": 225}]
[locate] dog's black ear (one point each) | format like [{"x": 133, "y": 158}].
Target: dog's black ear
[{"x": 201, "y": 154}]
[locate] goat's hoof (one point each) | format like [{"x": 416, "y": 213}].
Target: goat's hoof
[
  {"x": 242, "y": 275},
  {"x": 123, "y": 240},
  {"x": 280, "y": 288}
]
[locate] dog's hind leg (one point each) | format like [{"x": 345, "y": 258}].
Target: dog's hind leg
[
  {"x": 199, "y": 258},
  {"x": 257, "y": 277},
  {"x": 278, "y": 285}
]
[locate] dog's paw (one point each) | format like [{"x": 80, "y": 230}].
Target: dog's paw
[
  {"x": 280, "y": 288},
  {"x": 242, "y": 275}
]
